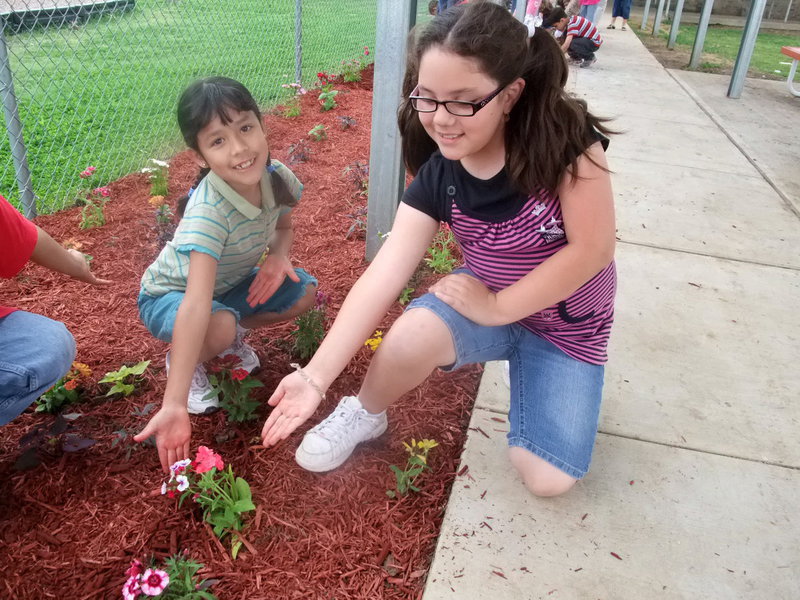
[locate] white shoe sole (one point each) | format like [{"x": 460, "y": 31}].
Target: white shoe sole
[{"x": 305, "y": 460}]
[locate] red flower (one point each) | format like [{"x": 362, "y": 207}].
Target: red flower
[
  {"x": 239, "y": 374},
  {"x": 71, "y": 384},
  {"x": 206, "y": 459},
  {"x": 136, "y": 569}
]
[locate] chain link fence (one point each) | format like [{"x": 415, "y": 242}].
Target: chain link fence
[{"x": 96, "y": 83}]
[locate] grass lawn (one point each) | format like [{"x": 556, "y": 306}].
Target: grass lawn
[
  {"x": 722, "y": 45},
  {"x": 103, "y": 93}
]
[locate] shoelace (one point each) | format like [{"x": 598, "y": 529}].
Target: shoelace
[{"x": 339, "y": 421}]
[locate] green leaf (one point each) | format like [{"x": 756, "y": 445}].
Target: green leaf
[
  {"x": 235, "y": 548},
  {"x": 241, "y": 506},
  {"x": 391, "y": 494},
  {"x": 242, "y": 489}
]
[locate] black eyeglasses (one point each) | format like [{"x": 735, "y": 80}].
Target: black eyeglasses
[{"x": 458, "y": 108}]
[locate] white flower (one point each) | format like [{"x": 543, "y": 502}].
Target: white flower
[
  {"x": 180, "y": 465},
  {"x": 160, "y": 163},
  {"x": 154, "y": 581},
  {"x": 163, "y": 488},
  {"x": 183, "y": 482},
  {"x": 132, "y": 589}
]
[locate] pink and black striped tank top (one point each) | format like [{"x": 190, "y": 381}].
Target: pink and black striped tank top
[{"x": 502, "y": 241}]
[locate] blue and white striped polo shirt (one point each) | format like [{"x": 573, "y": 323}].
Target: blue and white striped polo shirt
[{"x": 221, "y": 223}]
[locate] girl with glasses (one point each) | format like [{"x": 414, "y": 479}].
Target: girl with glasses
[{"x": 516, "y": 168}]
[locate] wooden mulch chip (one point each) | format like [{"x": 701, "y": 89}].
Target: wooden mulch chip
[{"x": 73, "y": 523}]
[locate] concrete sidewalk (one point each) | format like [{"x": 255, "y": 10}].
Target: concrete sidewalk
[{"x": 694, "y": 486}]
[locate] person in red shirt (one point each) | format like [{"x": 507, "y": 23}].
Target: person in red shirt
[
  {"x": 35, "y": 351},
  {"x": 580, "y": 37}
]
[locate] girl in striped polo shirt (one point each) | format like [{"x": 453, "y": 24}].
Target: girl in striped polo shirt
[
  {"x": 517, "y": 169},
  {"x": 208, "y": 285}
]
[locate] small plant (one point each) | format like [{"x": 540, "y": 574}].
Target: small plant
[
  {"x": 326, "y": 80},
  {"x": 440, "y": 254},
  {"x": 357, "y": 173},
  {"x": 126, "y": 379},
  {"x": 375, "y": 340},
  {"x": 65, "y": 391},
  {"x": 405, "y": 295},
  {"x": 159, "y": 177},
  {"x": 124, "y": 438},
  {"x": 223, "y": 497},
  {"x": 310, "y": 329},
  {"x": 93, "y": 201},
  {"x": 359, "y": 225},
  {"x": 346, "y": 122},
  {"x": 299, "y": 152},
  {"x": 231, "y": 385},
  {"x": 328, "y": 99},
  {"x": 176, "y": 579},
  {"x": 351, "y": 69},
  {"x": 46, "y": 438},
  {"x": 292, "y": 108},
  {"x": 417, "y": 462},
  {"x": 165, "y": 228},
  {"x": 318, "y": 133}
]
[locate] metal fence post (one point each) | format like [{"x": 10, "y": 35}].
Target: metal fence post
[
  {"x": 645, "y": 14},
  {"x": 659, "y": 14},
  {"x": 676, "y": 24},
  {"x": 386, "y": 172},
  {"x": 700, "y": 38},
  {"x": 298, "y": 40},
  {"x": 519, "y": 12},
  {"x": 746, "y": 48},
  {"x": 14, "y": 128}
]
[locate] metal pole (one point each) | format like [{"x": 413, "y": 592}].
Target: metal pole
[
  {"x": 386, "y": 172},
  {"x": 645, "y": 14},
  {"x": 788, "y": 9},
  {"x": 666, "y": 9},
  {"x": 700, "y": 37},
  {"x": 676, "y": 23},
  {"x": 746, "y": 48},
  {"x": 14, "y": 128},
  {"x": 659, "y": 13},
  {"x": 298, "y": 40}
]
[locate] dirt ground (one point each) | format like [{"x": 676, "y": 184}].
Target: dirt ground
[{"x": 71, "y": 525}]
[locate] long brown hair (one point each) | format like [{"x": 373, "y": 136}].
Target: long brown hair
[{"x": 547, "y": 130}]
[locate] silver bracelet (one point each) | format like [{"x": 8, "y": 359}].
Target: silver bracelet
[{"x": 308, "y": 379}]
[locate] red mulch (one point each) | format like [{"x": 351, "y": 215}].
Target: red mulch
[{"x": 72, "y": 524}]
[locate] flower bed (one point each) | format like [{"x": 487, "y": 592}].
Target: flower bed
[{"x": 76, "y": 521}]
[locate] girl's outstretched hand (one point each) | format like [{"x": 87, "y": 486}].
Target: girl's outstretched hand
[
  {"x": 469, "y": 297},
  {"x": 82, "y": 271},
  {"x": 269, "y": 278},
  {"x": 173, "y": 431},
  {"x": 294, "y": 401}
]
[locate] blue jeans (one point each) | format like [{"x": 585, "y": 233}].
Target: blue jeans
[
  {"x": 589, "y": 11},
  {"x": 555, "y": 399},
  {"x": 35, "y": 352}
]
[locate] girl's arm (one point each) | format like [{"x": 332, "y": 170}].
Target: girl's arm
[
  {"x": 277, "y": 266},
  {"x": 587, "y": 208},
  {"x": 52, "y": 255},
  {"x": 171, "y": 424},
  {"x": 366, "y": 304}
]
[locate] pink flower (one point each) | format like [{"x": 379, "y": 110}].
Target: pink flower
[
  {"x": 102, "y": 191},
  {"x": 91, "y": 169},
  {"x": 131, "y": 590},
  {"x": 206, "y": 459},
  {"x": 85, "y": 174},
  {"x": 154, "y": 581},
  {"x": 136, "y": 569},
  {"x": 366, "y": 51},
  {"x": 239, "y": 374}
]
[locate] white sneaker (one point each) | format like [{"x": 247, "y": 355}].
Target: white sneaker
[
  {"x": 330, "y": 443},
  {"x": 198, "y": 390},
  {"x": 246, "y": 353}
]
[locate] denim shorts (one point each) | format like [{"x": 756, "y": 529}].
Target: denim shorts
[
  {"x": 555, "y": 399},
  {"x": 158, "y": 312}
]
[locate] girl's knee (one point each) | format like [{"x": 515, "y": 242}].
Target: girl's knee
[
  {"x": 540, "y": 477},
  {"x": 221, "y": 331},
  {"x": 419, "y": 328},
  {"x": 306, "y": 302}
]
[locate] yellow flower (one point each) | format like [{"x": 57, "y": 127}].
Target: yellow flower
[
  {"x": 374, "y": 342},
  {"x": 427, "y": 445},
  {"x": 81, "y": 369},
  {"x": 156, "y": 201}
]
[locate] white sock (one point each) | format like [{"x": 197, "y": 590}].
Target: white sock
[{"x": 241, "y": 331}]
